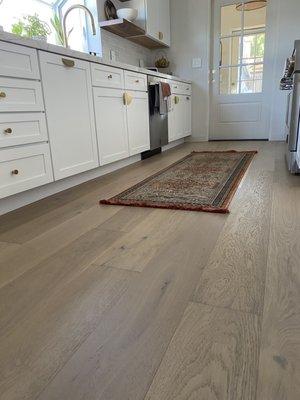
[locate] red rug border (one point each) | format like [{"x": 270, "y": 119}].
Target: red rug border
[{"x": 169, "y": 206}]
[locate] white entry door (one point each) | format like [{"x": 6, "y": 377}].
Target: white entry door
[{"x": 238, "y": 108}]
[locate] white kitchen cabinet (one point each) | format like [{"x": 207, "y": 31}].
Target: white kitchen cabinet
[
  {"x": 180, "y": 117},
  {"x": 18, "y": 61},
  {"x": 70, "y": 115},
  {"x": 111, "y": 124},
  {"x": 138, "y": 122},
  {"x": 188, "y": 116},
  {"x": 20, "y": 95},
  {"x": 23, "y": 168},
  {"x": 158, "y": 20},
  {"x": 22, "y": 128}
]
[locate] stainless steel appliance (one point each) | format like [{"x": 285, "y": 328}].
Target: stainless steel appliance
[
  {"x": 291, "y": 82},
  {"x": 158, "y": 119}
]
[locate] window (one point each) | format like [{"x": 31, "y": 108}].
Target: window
[
  {"x": 242, "y": 49},
  {"x": 13, "y": 11}
]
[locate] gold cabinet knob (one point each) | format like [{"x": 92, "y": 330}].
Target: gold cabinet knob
[
  {"x": 8, "y": 131},
  {"x": 3, "y": 95},
  {"x": 15, "y": 172}
]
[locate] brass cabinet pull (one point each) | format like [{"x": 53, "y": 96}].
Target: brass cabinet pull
[
  {"x": 109, "y": 76},
  {"x": 15, "y": 172},
  {"x": 68, "y": 63},
  {"x": 127, "y": 99},
  {"x": 3, "y": 95},
  {"x": 8, "y": 130},
  {"x": 176, "y": 99},
  {"x": 160, "y": 35}
]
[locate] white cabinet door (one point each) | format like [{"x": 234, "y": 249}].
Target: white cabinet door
[
  {"x": 138, "y": 122},
  {"x": 172, "y": 120},
  {"x": 164, "y": 22},
  {"x": 152, "y": 20},
  {"x": 188, "y": 116},
  {"x": 70, "y": 115},
  {"x": 180, "y": 117},
  {"x": 158, "y": 20},
  {"x": 111, "y": 125}
]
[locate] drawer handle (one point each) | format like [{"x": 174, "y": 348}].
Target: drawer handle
[
  {"x": 15, "y": 172},
  {"x": 68, "y": 63},
  {"x": 8, "y": 130},
  {"x": 109, "y": 76},
  {"x": 3, "y": 95}
]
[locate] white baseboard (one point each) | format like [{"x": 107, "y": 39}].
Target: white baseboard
[{"x": 22, "y": 199}]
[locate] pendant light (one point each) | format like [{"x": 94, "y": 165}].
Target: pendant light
[{"x": 251, "y": 5}]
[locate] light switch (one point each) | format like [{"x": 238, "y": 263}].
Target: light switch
[{"x": 197, "y": 63}]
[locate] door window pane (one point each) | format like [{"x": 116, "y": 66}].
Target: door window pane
[
  {"x": 255, "y": 18},
  {"x": 231, "y": 20},
  {"x": 229, "y": 80},
  {"x": 242, "y": 48},
  {"x": 253, "y": 48},
  {"x": 230, "y": 51}
]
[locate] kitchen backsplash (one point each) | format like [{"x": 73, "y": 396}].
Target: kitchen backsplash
[{"x": 125, "y": 51}]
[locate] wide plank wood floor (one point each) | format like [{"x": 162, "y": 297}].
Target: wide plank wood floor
[{"x": 120, "y": 303}]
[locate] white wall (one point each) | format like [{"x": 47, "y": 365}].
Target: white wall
[{"x": 190, "y": 38}]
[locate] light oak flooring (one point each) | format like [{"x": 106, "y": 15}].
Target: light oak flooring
[{"x": 119, "y": 303}]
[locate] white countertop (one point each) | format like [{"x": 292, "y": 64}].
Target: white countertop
[{"x": 51, "y": 48}]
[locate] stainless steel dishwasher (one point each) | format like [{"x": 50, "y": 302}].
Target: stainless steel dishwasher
[{"x": 158, "y": 119}]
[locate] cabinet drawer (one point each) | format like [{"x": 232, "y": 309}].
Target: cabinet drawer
[
  {"x": 181, "y": 88},
  {"x": 18, "y": 61},
  {"x": 24, "y": 168},
  {"x": 107, "y": 76},
  {"x": 18, "y": 129},
  {"x": 135, "y": 81},
  {"x": 19, "y": 95}
]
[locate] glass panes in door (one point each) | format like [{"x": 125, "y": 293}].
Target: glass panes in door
[{"x": 242, "y": 49}]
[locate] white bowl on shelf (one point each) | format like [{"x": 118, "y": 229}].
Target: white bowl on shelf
[{"x": 127, "y": 13}]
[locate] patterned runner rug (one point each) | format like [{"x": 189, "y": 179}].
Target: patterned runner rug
[{"x": 201, "y": 181}]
